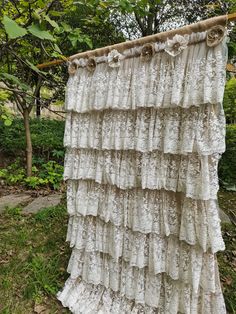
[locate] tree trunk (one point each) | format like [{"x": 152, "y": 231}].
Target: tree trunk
[
  {"x": 38, "y": 108},
  {"x": 37, "y": 95},
  {"x": 28, "y": 143}
]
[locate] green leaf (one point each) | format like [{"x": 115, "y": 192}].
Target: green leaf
[
  {"x": 88, "y": 42},
  {"x": 4, "y": 95},
  {"x": 15, "y": 80},
  {"x": 37, "y": 32},
  {"x": 57, "y": 13},
  {"x": 57, "y": 48},
  {"x": 33, "y": 67},
  {"x": 51, "y": 22},
  {"x": 36, "y": 15},
  {"x": 7, "y": 122},
  {"x": 73, "y": 39},
  {"x": 12, "y": 28},
  {"x": 66, "y": 27}
]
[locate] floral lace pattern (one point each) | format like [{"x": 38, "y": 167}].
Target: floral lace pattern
[
  {"x": 84, "y": 298},
  {"x": 144, "y": 133},
  {"x": 148, "y": 211},
  {"x": 175, "y": 131},
  {"x": 193, "y": 174},
  {"x": 191, "y": 268},
  {"x": 195, "y": 77},
  {"x": 158, "y": 254}
]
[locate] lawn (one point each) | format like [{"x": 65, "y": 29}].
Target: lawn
[{"x": 34, "y": 258}]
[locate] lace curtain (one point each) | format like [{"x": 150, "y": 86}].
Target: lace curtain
[{"x": 144, "y": 132}]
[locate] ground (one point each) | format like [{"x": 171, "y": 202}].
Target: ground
[
  {"x": 34, "y": 257},
  {"x": 33, "y": 260}
]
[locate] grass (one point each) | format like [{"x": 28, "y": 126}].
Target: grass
[
  {"x": 34, "y": 257},
  {"x": 33, "y": 260},
  {"x": 227, "y": 259},
  {"x": 227, "y": 265}
]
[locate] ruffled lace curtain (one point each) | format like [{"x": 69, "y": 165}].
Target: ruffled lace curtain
[{"x": 144, "y": 132}]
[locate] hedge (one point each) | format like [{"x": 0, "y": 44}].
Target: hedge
[
  {"x": 227, "y": 165},
  {"x": 46, "y": 134}
]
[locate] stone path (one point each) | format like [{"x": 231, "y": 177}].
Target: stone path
[
  {"x": 33, "y": 205},
  {"x": 42, "y": 202},
  {"x": 29, "y": 204},
  {"x": 14, "y": 200}
]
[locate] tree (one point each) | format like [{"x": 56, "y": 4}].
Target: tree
[
  {"x": 32, "y": 32},
  {"x": 136, "y": 18}
]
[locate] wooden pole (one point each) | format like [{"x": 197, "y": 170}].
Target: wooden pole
[{"x": 188, "y": 29}]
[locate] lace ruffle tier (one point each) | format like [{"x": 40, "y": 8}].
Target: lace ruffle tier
[
  {"x": 143, "y": 141},
  {"x": 171, "y": 296},
  {"x": 174, "y": 131},
  {"x": 158, "y": 254},
  {"x": 193, "y": 174},
  {"x": 146, "y": 211},
  {"x": 193, "y": 78}
]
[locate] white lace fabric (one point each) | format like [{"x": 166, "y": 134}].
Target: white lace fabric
[
  {"x": 144, "y": 137},
  {"x": 193, "y": 174},
  {"x": 173, "y": 130}
]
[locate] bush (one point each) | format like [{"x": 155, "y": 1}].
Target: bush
[
  {"x": 49, "y": 174},
  {"x": 47, "y": 139},
  {"x": 227, "y": 165}
]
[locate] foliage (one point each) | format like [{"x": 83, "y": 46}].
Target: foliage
[
  {"x": 136, "y": 18},
  {"x": 227, "y": 165},
  {"x": 30, "y": 33},
  {"x": 227, "y": 262},
  {"x": 47, "y": 139},
  {"x": 5, "y": 114},
  {"x": 227, "y": 258},
  {"x": 33, "y": 260},
  {"x": 50, "y": 174},
  {"x": 230, "y": 101}
]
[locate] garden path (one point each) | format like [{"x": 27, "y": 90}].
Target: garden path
[{"x": 29, "y": 203}]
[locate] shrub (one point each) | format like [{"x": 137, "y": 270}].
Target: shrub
[
  {"x": 227, "y": 165},
  {"x": 50, "y": 174},
  {"x": 46, "y": 134}
]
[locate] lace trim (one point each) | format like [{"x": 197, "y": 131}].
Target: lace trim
[
  {"x": 159, "y": 254},
  {"x": 193, "y": 78},
  {"x": 175, "y": 131},
  {"x": 149, "y": 211},
  {"x": 172, "y": 297},
  {"x": 93, "y": 233},
  {"x": 195, "y": 175},
  {"x": 99, "y": 268}
]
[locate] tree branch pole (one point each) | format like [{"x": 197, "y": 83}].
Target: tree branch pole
[{"x": 199, "y": 26}]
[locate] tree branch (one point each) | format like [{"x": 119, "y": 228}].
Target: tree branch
[
  {"x": 49, "y": 6},
  {"x": 15, "y": 5},
  {"x": 138, "y": 19},
  {"x": 19, "y": 92}
]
